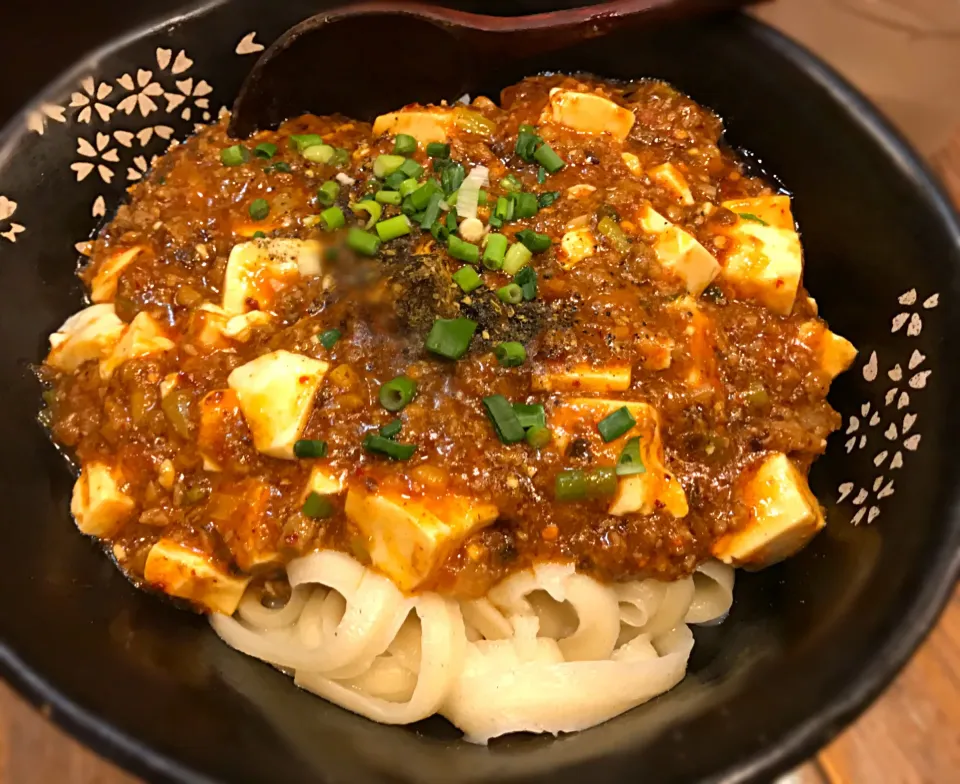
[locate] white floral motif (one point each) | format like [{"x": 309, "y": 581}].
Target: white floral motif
[
  {"x": 101, "y": 154},
  {"x": 189, "y": 92},
  {"x": 142, "y": 93},
  {"x": 37, "y": 119},
  {"x": 91, "y": 97},
  {"x": 7, "y": 208},
  {"x": 248, "y": 44}
]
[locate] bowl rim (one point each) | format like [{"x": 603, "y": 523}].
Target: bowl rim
[{"x": 138, "y": 757}]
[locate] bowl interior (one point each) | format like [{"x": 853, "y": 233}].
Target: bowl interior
[{"x": 807, "y": 642}]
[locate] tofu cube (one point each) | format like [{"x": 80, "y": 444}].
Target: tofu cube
[
  {"x": 276, "y": 394},
  {"x": 88, "y": 335},
  {"x": 783, "y": 516},
  {"x": 679, "y": 252},
  {"x": 582, "y": 378},
  {"x": 324, "y": 480},
  {"x": 258, "y": 270},
  {"x": 98, "y": 504},
  {"x": 669, "y": 177},
  {"x": 103, "y": 287},
  {"x": 144, "y": 336},
  {"x": 700, "y": 354},
  {"x": 575, "y": 246},
  {"x": 188, "y": 574},
  {"x": 424, "y": 123},
  {"x": 656, "y": 488},
  {"x": 773, "y": 210},
  {"x": 588, "y": 113},
  {"x": 632, "y": 162},
  {"x": 207, "y": 325},
  {"x": 408, "y": 539},
  {"x": 765, "y": 260},
  {"x": 218, "y": 410},
  {"x": 834, "y": 353}
]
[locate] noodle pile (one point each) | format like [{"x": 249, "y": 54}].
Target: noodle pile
[{"x": 548, "y": 650}]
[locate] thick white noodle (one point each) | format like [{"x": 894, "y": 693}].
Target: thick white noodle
[{"x": 547, "y": 650}]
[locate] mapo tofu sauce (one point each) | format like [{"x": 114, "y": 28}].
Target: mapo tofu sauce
[{"x": 658, "y": 276}]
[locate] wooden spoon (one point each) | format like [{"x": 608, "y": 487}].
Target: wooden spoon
[{"x": 363, "y": 60}]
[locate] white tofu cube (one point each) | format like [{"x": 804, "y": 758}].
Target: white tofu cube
[
  {"x": 632, "y": 162},
  {"x": 218, "y": 409},
  {"x": 765, "y": 261},
  {"x": 575, "y": 246},
  {"x": 324, "y": 480},
  {"x": 424, "y": 123},
  {"x": 582, "y": 378},
  {"x": 834, "y": 353},
  {"x": 783, "y": 516},
  {"x": 276, "y": 394},
  {"x": 144, "y": 336},
  {"x": 638, "y": 493},
  {"x": 180, "y": 571},
  {"x": 679, "y": 252},
  {"x": 98, "y": 504},
  {"x": 103, "y": 287},
  {"x": 588, "y": 113},
  {"x": 700, "y": 349},
  {"x": 258, "y": 270},
  {"x": 670, "y": 178},
  {"x": 408, "y": 539},
  {"x": 88, "y": 335}
]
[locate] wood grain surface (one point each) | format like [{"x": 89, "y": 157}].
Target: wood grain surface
[{"x": 911, "y": 735}]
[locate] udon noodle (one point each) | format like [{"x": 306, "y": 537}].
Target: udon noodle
[{"x": 547, "y": 650}]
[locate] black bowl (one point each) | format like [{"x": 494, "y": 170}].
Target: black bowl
[{"x": 808, "y": 644}]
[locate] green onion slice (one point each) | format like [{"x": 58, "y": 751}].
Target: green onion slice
[
  {"x": 234, "y": 156},
  {"x": 333, "y": 218},
  {"x": 317, "y": 506},
  {"x": 370, "y": 207},
  {"x": 526, "y": 279},
  {"x": 392, "y": 429},
  {"x": 570, "y": 486},
  {"x": 525, "y": 206},
  {"x": 329, "y": 338},
  {"x": 388, "y": 197},
  {"x": 549, "y": 159},
  {"x": 511, "y": 183},
  {"x": 531, "y": 415},
  {"x": 548, "y": 198},
  {"x": 318, "y": 153},
  {"x": 463, "y": 250},
  {"x": 468, "y": 279},
  {"x": 387, "y": 164},
  {"x": 451, "y": 338},
  {"x": 388, "y": 447},
  {"x": 630, "y": 461},
  {"x": 616, "y": 424},
  {"x": 307, "y": 447},
  {"x": 494, "y": 252},
  {"x": 398, "y": 393},
  {"x": 266, "y": 150},
  {"x": 601, "y": 483},
  {"x": 610, "y": 229},
  {"x": 363, "y": 242},
  {"x": 410, "y": 169},
  {"x": 259, "y": 209},
  {"x": 301, "y": 141},
  {"x": 328, "y": 192},
  {"x": 518, "y": 256},
  {"x": 511, "y": 294},
  {"x": 392, "y": 228},
  {"x": 539, "y": 437},
  {"x": 504, "y": 419},
  {"x": 536, "y": 243},
  {"x": 510, "y": 354},
  {"x": 404, "y": 144},
  {"x": 438, "y": 150}
]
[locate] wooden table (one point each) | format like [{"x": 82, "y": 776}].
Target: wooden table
[{"x": 910, "y": 736}]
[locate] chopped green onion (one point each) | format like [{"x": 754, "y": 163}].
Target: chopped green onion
[
  {"x": 549, "y": 159},
  {"x": 395, "y": 180},
  {"x": 410, "y": 168},
  {"x": 387, "y": 164},
  {"x": 510, "y": 354},
  {"x": 328, "y": 192},
  {"x": 370, "y": 207},
  {"x": 630, "y": 461},
  {"x": 504, "y": 209},
  {"x": 451, "y": 222},
  {"x": 397, "y": 394},
  {"x": 518, "y": 256},
  {"x": 548, "y": 198},
  {"x": 340, "y": 157},
  {"x": 259, "y": 235},
  {"x": 472, "y": 121},
  {"x": 317, "y": 506},
  {"x": 537, "y": 243},
  {"x": 318, "y": 153},
  {"x": 279, "y": 166},
  {"x": 511, "y": 184},
  {"x": 404, "y": 144},
  {"x": 751, "y": 217},
  {"x": 451, "y": 178},
  {"x": 570, "y": 486},
  {"x": 332, "y": 219},
  {"x": 388, "y": 197},
  {"x": 391, "y": 449},
  {"x": 392, "y": 429},
  {"x": 610, "y": 229},
  {"x": 541, "y": 175},
  {"x": 438, "y": 150},
  {"x": 526, "y": 279},
  {"x": 234, "y": 156},
  {"x": 259, "y": 209},
  {"x": 601, "y": 483},
  {"x": 512, "y": 294},
  {"x": 616, "y": 424},
  {"x": 440, "y": 231},
  {"x": 468, "y": 279},
  {"x": 392, "y": 228},
  {"x": 504, "y": 419},
  {"x": 482, "y": 197},
  {"x": 527, "y": 143},
  {"x": 265, "y": 150},
  {"x": 329, "y": 338},
  {"x": 407, "y": 187},
  {"x": 494, "y": 251},
  {"x": 463, "y": 250},
  {"x": 307, "y": 447},
  {"x": 532, "y": 415},
  {"x": 421, "y": 196},
  {"x": 495, "y": 222},
  {"x": 301, "y": 141},
  {"x": 432, "y": 212},
  {"x": 538, "y": 437},
  {"x": 451, "y": 338},
  {"x": 526, "y": 206},
  {"x": 363, "y": 242}
]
